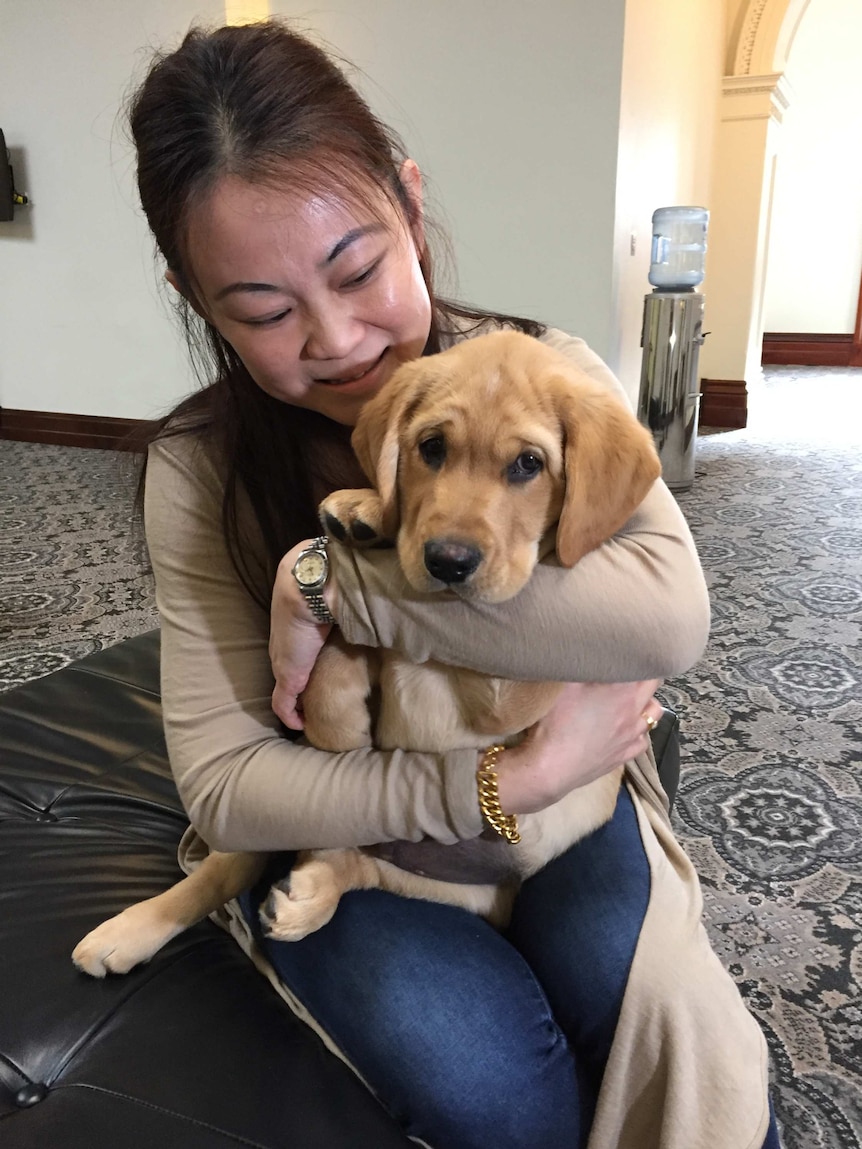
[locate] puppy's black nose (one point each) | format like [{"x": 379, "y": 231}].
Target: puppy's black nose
[{"x": 451, "y": 562}]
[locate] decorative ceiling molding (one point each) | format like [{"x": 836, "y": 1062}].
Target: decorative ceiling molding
[
  {"x": 747, "y": 37},
  {"x": 766, "y": 34},
  {"x": 755, "y": 97}
]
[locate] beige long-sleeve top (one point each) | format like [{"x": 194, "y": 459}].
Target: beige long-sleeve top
[{"x": 635, "y": 608}]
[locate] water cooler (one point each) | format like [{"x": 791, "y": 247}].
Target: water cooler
[{"x": 669, "y": 397}]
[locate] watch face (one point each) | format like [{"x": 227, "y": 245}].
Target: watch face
[{"x": 311, "y": 569}]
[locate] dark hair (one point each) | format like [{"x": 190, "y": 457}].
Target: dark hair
[{"x": 265, "y": 104}]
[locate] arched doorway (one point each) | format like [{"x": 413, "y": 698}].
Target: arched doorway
[
  {"x": 754, "y": 96},
  {"x": 814, "y": 272}
]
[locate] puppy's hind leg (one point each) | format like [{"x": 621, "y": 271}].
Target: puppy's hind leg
[
  {"x": 308, "y": 897},
  {"x": 493, "y": 902},
  {"x": 140, "y": 931}
]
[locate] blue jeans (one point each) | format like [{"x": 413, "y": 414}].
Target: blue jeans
[{"x": 469, "y": 1038}]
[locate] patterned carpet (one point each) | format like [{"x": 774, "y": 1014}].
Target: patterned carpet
[
  {"x": 73, "y": 569},
  {"x": 769, "y": 806}
]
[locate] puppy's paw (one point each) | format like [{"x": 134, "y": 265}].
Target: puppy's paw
[
  {"x": 301, "y": 903},
  {"x": 354, "y": 517},
  {"x": 122, "y": 942}
]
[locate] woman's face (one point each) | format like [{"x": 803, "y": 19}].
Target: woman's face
[{"x": 320, "y": 298}]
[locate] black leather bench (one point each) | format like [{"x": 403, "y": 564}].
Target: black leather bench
[{"x": 194, "y": 1050}]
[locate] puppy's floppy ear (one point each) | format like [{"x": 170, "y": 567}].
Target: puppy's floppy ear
[
  {"x": 376, "y": 439},
  {"x": 610, "y": 465}
]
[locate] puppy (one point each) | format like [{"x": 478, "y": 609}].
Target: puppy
[{"x": 482, "y": 457}]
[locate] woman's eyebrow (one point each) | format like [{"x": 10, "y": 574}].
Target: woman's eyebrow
[
  {"x": 346, "y": 240},
  {"x": 235, "y": 287},
  {"x": 350, "y": 237}
]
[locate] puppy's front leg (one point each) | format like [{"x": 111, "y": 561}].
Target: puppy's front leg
[
  {"x": 353, "y": 516},
  {"x": 336, "y": 703},
  {"x": 499, "y": 706}
]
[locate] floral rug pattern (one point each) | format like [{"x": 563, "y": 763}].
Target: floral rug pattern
[
  {"x": 74, "y": 576},
  {"x": 770, "y": 801}
]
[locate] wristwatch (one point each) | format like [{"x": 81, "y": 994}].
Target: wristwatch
[{"x": 311, "y": 570}]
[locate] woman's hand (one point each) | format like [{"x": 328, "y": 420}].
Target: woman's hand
[
  {"x": 295, "y": 639},
  {"x": 591, "y": 729}
]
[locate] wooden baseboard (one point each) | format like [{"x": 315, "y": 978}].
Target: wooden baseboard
[
  {"x": 72, "y": 430},
  {"x": 803, "y": 349},
  {"x": 723, "y": 403}
]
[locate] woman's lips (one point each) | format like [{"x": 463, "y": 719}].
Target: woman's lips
[{"x": 358, "y": 376}]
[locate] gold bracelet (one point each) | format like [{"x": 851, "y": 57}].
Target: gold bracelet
[{"x": 506, "y": 825}]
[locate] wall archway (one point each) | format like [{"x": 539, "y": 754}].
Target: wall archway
[{"x": 754, "y": 96}]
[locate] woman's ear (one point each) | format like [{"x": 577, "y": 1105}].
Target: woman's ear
[
  {"x": 411, "y": 180},
  {"x": 173, "y": 279}
]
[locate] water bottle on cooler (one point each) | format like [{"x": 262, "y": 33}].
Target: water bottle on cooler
[{"x": 678, "y": 248}]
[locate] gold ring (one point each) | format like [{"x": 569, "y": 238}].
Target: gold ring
[{"x": 651, "y": 722}]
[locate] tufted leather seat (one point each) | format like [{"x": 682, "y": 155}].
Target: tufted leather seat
[{"x": 194, "y": 1049}]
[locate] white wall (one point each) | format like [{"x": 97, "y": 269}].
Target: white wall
[
  {"x": 815, "y": 249},
  {"x": 550, "y": 135},
  {"x": 513, "y": 110},
  {"x": 672, "y": 65},
  {"x": 510, "y": 108},
  {"x": 83, "y": 328}
]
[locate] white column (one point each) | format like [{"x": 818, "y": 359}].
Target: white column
[{"x": 743, "y": 174}]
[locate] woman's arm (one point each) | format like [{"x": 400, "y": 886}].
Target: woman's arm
[
  {"x": 245, "y": 786},
  {"x": 590, "y": 729},
  {"x": 635, "y": 608}
]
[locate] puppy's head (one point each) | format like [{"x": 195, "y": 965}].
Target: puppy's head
[{"x": 477, "y": 452}]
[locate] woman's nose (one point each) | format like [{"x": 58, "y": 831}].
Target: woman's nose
[{"x": 332, "y": 332}]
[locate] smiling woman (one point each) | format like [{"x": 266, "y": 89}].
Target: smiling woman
[
  {"x": 234, "y": 198},
  {"x": 326, "y": 304}
]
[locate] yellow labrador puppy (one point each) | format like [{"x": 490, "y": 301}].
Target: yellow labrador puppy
[{"x": 479, "y": 457}]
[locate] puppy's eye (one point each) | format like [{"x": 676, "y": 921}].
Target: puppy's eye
[
  {"x": 525, "y": 467},
  {"x": 433, "y": 451}
]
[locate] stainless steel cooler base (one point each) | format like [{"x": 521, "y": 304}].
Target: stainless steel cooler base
[{"x": 669, "y": 399}]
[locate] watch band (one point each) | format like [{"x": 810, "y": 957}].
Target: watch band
[
  {"x": 319, "y": 608},
  {"x": 313, "y": 592}
]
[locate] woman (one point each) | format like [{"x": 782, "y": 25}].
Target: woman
[{"x": 292, "y": 225}]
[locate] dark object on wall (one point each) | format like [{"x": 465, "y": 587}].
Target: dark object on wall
[
  {"x": 6, "y": 193},
  {"x": 195, "y": 1048},
  {"x": 9, "y": 198}
]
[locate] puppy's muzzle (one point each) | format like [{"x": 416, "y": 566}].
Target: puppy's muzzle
[{"x": 451, "y": 562}]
